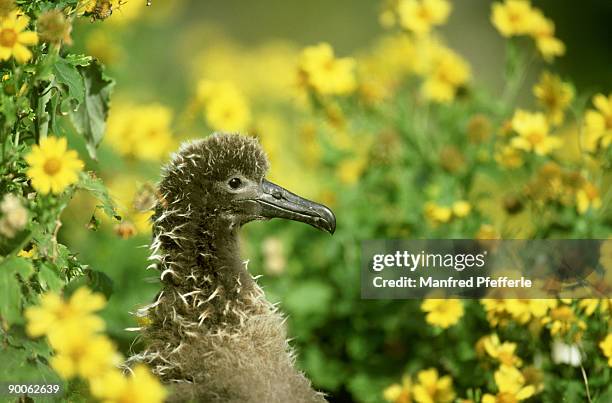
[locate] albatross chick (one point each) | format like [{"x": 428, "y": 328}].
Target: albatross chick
[{"x": 211, "y": 333}]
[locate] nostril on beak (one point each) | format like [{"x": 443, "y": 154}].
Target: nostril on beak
[{"x": 277, "y": 195}]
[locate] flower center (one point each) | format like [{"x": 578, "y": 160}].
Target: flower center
[
  {"x": 52, "y": 166},
  {"x": 8, "y": 38},
  {"x": 563, "y": 314},
  {"x": 591, "y": 191},
  {"x": 506, "y": 397},
  {"x": 514, "y": 18},
  {"x": 329, "y": 65},
  {"x": 535, "y": 137},
  {"x": 443, "y": 309},
  {"x": 551, "y": 100},
  {"x": 424, "y": 14}
]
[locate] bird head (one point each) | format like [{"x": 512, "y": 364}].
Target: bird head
[{"x": 223, "y": 176}]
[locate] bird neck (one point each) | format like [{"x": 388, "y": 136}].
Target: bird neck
[{"x": 205, "y": 282}]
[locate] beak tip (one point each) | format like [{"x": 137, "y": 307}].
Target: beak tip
[{"x": 330, "y": 220}]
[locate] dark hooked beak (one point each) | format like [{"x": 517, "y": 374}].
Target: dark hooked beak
[{"x": 277, "y": 202}]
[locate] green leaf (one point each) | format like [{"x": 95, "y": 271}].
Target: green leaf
[
  {"x": 42, "y": 115},
  {"x": 22, "y": 365},
  {"x": 67, "y": 74},
  {"x": 90, "y": 117},
  {"x": 16, "y": 337},
  {"x": 94, "y": 280},
  {"x": 44, "y": 67},
  {"x": 100, "y": 282},
  {"x": 49, "y": 278},
  {"x": 10, "y": 288},
  {"x": 78, "y": 60},
  {"x": 96, "y": 187},
  {"x": 8, "y": 110}
]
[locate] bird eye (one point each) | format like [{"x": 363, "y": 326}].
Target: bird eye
[{"x": 235, "y": 183}]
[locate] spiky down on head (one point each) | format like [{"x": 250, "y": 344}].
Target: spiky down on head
[
  {"x": 221, "y": 179},
  {"x": 197, "y": 172},
  {"x": 216, "y": 157}
]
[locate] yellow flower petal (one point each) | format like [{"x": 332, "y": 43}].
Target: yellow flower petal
[{"x": 27, "y": 38}]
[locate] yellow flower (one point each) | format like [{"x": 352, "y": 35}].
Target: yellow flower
[
  {"x": 14, "y": 38},
  {"x": 513, "y": 17},
  {"x": 53, "y": 313},
  {"x": 543, "y": 31},
  {"x": 320, "y": 70},
  {"x": 461, "y": 208},
  {"x": 606, "y": 347},
  {"x": 52, "y": 166},
  {"x": 382, "y": 70},
  {"x": 511, "y": 387},
  {"x": 141, "y": 132},
  {"x": 562, "y": 320},
  {"x": 399, "y": 393},
  {"x": 28, "y": 254},
  {"x": 587, "y": 197},
  {"x": 436, "y": 213},
  {"x": 228, "y": 113},
  {"x": 533, "y": 133},
  {"x": 509, "y": 157},
  {"x": 87, "y": 6},
  {"x": 590, "y": 305},
  {"x": 442, "y": 312},
  {"x": 554, "y": 95},
  {"x": 140, "y": 387},
  {"x": 153, "y": 139},
  {"x": 226, "y": 108},
  {"x": 518, "y": 17},
  {"x": 447, "y": 72},
  {"x": 495, "y": 309},
  {"x": 433, "y": 389},
  {"x": 79, "y": 353},
  {"x": 502, "y": 352},
  {"x": 523, "y": 310},
  {"x": 598, "y": 123},
  {"x": 419, "y": 16}
]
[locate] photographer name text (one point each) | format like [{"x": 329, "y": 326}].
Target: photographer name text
[{"x": 429, "y": 263}]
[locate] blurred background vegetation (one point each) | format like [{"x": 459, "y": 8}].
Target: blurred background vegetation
[{"x": 159, "y": 56}]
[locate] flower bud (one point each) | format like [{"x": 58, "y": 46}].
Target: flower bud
[
  {"x": 479, "y": 129},
  {"x": 14, "y": 216},
  {"x": 6, "y": 6},
  {"x": 54, "y": 28}
]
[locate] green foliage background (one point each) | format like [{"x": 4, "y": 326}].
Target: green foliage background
[{"x": 351, "y": 348}]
